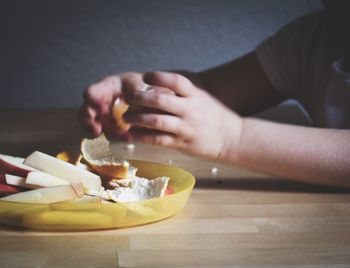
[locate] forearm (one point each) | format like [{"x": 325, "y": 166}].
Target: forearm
[
  {"x": 242, "y": 85},
  {"x": 305, "y": 154}
]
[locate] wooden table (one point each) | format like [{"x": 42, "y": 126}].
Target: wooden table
[{"x": 233, "y": 219}]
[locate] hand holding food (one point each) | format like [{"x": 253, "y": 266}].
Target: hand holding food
[
  {"x": 185, "y": 122},
  {"x": 97, "y": 114}
]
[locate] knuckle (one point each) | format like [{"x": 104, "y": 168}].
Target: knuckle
[
  {"x": 179, "y": 129},
  {"x": 112, "y": 81},
  {"x": 129, "y": 74},
  {"x": 156, "y": 122},
  {"x": 159, "y": 140},
  {"x": 108, "y": 79},
  {"x": 178, "y": 80},
  {"x": 182, "y": 82},
  {"x": 132, "y": 82},
  {"x": 155, "y": 75},
  {"x": 87, "y": 112},
  {"x": 90, "y": 91},
  {"x": 158, "y": 100}
]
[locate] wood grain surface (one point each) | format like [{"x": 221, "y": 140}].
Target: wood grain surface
[{"x": 234, "y": 218}]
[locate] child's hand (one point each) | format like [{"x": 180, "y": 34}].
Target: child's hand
[
  {"x": 191, "y": 120},
  {"x": 96, "y": 112}
]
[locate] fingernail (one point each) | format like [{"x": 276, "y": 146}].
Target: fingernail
[{"x": 148, "y": 88}]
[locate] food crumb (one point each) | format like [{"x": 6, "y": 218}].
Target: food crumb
[
  {"x": 214, "y": 170},
  {"x": 130, "y": 146}
]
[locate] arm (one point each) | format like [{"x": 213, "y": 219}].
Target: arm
[
  {"x": 306, "y": 154},
  {"x": 198, "y": 124},
  {"x": 240, "y": 84}
]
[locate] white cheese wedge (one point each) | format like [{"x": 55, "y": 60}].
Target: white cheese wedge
[
  {"x": 18, "y": 181},
  {"x": 64, "y": 170},
  {"x": 44, "y": 179},
  {"x": 47, "y": 195},
  {"x": 137, "y": 189}
]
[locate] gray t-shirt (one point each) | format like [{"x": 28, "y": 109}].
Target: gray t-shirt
[{"x": 303, "y": 62}]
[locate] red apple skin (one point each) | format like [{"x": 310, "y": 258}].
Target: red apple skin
[
  {"x": 2, "y": 178},
  {"x": 6, "y": 189},
  {"x": 7, "y": 167},
  {"x": 169, "y": 190}
]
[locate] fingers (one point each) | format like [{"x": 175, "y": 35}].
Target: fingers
[
  {"x": 109, "y": 127},
  {"x": 133, "y": 83},
  {"x": 96, "y": 113},
  {"x": 178, "y": 83},
  {"x": 161, "y": 122},
  {"x": 102, "y": 94},
  {"x": 88, "y": 119},
  {"x": 152, "y": 99},
  {"x": 154, "y": 137}
]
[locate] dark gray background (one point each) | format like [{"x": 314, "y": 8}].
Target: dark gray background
[{"x": 51, "y": 50}]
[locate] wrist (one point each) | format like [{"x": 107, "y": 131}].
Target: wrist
[{"x": 230, "y": 152}]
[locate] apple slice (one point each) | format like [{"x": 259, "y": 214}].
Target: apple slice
[
  {"x": 2, "y": 178},
  {"x": 48, "y": 195},
  {"x": 6, "y": 189},
  {"x": 64, "y": 170},
  {"x": 18, "y": 181},
  {"x": 43, "y": 179},
  {"x": 169, "y": 190},
  {"x": 14, "y": 165}
]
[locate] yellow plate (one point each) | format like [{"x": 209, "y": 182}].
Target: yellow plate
[{"x": 70, "y": 217}]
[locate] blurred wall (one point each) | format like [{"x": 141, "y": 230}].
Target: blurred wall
[{"x": 51, "y": 50}]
